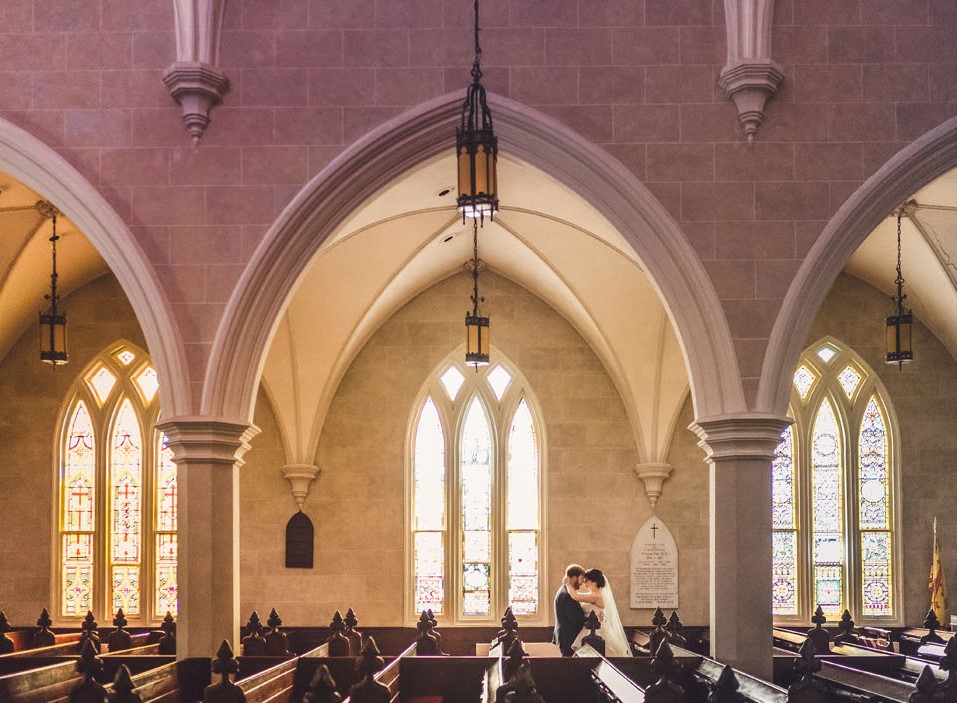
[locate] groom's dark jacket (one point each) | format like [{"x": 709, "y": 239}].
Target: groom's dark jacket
[{"x": 569, "y": 620}]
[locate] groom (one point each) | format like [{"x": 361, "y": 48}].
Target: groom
[{"x": 569, "y": 616}]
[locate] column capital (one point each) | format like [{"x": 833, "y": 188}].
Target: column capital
[
  {"x": 743, "y": 436},
  {"x": 653, "y": 474},
  {"x": 208, "y": 439}
]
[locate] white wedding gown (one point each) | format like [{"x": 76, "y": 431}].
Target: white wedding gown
[{"x": 612, "y": 631}]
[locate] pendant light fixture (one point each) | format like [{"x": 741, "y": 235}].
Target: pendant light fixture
[
  {"x": 900, "y": 325},
  {"x": 476, "y": 147},
  {"x": 476, "y": 326},
  {"x": 53, "y": 322}
]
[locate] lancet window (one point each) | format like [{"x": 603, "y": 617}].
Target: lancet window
[
  {"x": 476, "y": 468},
  {"x": 834, "y": 482},
  {"x": 116, "y": 483}
]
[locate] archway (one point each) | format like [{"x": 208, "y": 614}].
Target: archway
[
  {"x": 911, "y": 168},
  {"x": 253, "y": 311},
  {"x": 37, "y": 165}
]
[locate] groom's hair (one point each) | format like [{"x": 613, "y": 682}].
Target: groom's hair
[{"x": 574, "y": 570}]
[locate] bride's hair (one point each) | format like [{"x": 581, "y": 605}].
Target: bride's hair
[{"x": 596, "y": 576}]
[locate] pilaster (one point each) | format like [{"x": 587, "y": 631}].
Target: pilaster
[
  {"x": 208, "y": 453},
  {"x": 739, "y": 450}
]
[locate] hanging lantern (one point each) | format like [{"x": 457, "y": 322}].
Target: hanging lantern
[
  {"x": 53, "y": 322},
  {"x": 900, "y": 325},
  {"x": 476, "y": 148},
  {"x": 476, "y": 327}
]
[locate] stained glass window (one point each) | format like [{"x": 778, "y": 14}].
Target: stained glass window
[
  {"x": 499, "y": 379},
  {"x": 102, "y": 382},
  {"x": 126, "y": 478},
  {"x": 452, "y": 380},
  {"x": 79, "y": 485},
  {"x": 849, "y": 378},
  {"x": 475, "y": 507},
  {"x": 118, "y": 546},
  {"x": 874, "y": 514},
  {"x": 803, "y": 380},
  {"x": 476, "y": 478},
  {"x": 522, "y": 519},
  {"x": 784, "y": 546},
  {"x": 827, "y": 515},
  {"x": 428, "y": 510},
  {"x": 846, "y": 469},
  {"x": 166, "y": 543},
  {"x": 148, "y": 383}
]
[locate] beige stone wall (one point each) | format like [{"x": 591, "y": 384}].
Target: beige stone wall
[
  {"x": 31, "y": 399},
  {"x": 924, "y": 396},
  {"x": 595, "y": 502}
]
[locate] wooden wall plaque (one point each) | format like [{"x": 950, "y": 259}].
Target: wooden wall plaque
[{"x": 300, "y": 537}]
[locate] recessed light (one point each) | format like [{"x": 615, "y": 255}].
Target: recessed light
[
  {"x": 448, "y": 238},
  {"x": 445, "y": 191}
]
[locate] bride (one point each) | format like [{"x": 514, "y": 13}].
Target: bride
[{"x": 596, "y": 595}]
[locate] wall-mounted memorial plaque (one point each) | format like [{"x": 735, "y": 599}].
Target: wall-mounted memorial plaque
[
  {"x": 654, "y": 567},
  {"x": 299, "y": 542}
]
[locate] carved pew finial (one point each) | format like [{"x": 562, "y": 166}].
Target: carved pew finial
[
  {"x": 659, "y": 633},
  {"x": 426, "y": 644},
  {"x": 167, "y": 644},
  {"x": 123, "y": 687},
  {"x": 725, "y": 689},
  {"x": 44, "y": 637},
  {"x": 924, "y": 688},
  {"x": 91, "y": 690},
  {"x": 593, "y": 639},
  {"x": 845, "y": 628},
  {"x": 516, "y": 654},
  {"x": 665, "y": 689},
  {"x": 322, "y": 688},
  {"x": 352, "y": 634},
  {"x": 520, "y": 688},
  {"x": 6, "y": 644},
  {"x": 90, "y": 630},
  {"x": 933, "y": 624},
  {"x": 674, "y": 629},
  {"x": 807, "y": 689},
  {"x": 119, "y": 639},
  {"x": 225, "y": 691},
  {"x": 276, "y": 643},
  {"x": 435, "y": 627},
  {"x": 509, "y": 631},
  {"x": 253, "y": 644},
  {"x": 338, "y": 643},
  {"x": 368, "y": 664},
  {"x": 818, "y": 636},
  {"x": 949, "y": 664}
]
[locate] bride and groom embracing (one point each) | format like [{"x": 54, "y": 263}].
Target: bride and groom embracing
[{"x": 581, "y": 593}]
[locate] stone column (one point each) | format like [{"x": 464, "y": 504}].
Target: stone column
[
  {"x": 208, "y": 453},
  {"x": 739, "y": 450}
]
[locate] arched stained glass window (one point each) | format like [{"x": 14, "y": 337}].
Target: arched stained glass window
[
  {"x": 428, "y": 512},
  {"x": 475, "y": 510},
  {"x": 826, "y": 510},
  {"x": 522, "y": 521},
  {"x": 79, "y": 491},
  {"x": 784, "y": 547},
  {"x": 838, "y": 455},
  {"x": 117, "y": 482}
]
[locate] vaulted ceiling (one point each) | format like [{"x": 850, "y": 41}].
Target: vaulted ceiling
[{"x": 409, "y": 236}]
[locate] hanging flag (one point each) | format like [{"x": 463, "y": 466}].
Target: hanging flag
[{"x": 938, "y": 589}]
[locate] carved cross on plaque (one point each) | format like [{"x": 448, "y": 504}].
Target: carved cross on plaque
[{"x": 654, "y": 531}]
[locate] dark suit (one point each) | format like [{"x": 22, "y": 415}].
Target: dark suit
[{"x": 569, "y": 621}]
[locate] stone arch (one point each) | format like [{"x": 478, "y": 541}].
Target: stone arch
[
  {"x": 239, "y": 350},
  {"x": 907, "y": 171},
  {"x": 34, "y": 163}
]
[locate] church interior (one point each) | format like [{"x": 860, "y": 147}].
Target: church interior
[{"x": 717, "y": 296}]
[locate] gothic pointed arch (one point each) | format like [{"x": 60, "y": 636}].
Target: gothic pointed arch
[
  {"x": 255, "y": 307},
  {"x": 41, "y": 168},
  {"x": 907, "y": 171}
]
